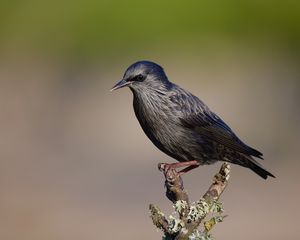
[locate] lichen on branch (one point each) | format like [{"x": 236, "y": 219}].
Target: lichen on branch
[{"x": 187, "y": 225}]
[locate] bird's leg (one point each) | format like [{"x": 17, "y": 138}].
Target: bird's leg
[
  {"x": 165, "y": 167},
  {"x": 187, "y": 169}
]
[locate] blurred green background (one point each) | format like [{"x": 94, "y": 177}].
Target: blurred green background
[
  {"x": 74, "y": 162},
  {"x": 105, "y": 29}
]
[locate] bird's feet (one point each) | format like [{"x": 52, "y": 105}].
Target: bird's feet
[{"x": 166, "y": 168}]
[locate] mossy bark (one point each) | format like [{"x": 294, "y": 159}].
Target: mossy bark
[{"x": 190, "y": 215}]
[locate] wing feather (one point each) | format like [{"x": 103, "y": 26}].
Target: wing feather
[{"x": 206, "y": 123}]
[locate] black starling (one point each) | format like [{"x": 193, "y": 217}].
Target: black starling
[{"x": 181, "y": 125}]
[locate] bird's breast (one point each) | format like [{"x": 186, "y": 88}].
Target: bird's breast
[
  {"x": 156, "y": 117},
  {"x": 162, "y": 126}
]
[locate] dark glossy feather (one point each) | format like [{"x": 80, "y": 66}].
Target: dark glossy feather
[{"x": 206, "y": 123}]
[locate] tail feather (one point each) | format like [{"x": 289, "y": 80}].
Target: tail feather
[
  {"x": 258, "y": 169},
  {"x": 248, "y": 162},
  {"x": 255, "y": 153}
]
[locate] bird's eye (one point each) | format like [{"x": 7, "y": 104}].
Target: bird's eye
[{"x": 139, "y": 78}]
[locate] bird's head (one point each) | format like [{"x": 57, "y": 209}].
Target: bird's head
[{"x": 144, "y": 75}]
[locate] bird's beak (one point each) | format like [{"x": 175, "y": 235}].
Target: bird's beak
[{"x": 120, "y": 84}]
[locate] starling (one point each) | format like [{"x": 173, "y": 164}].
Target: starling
[{"x": 181, "y": 125}]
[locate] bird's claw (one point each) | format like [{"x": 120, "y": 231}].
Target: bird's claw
[
  {"x": 169, "y": 171},
  {"x": 161, "y": 166},
  {"x": 165, "y": 167}
]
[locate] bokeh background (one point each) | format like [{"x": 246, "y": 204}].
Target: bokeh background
[{"x": 74, "y": 162}]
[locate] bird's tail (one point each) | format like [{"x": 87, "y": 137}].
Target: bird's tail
[
  {"x": 249, "y": 162},
  {"x": 258, "y": 169}
]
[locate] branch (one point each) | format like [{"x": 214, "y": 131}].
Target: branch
[{"x": 190, "y": 215}]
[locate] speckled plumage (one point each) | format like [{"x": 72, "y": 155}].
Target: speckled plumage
[{"x": 180, "y": 124}]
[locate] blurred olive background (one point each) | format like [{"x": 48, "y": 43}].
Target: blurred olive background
[{"x": 74, "y": 162}]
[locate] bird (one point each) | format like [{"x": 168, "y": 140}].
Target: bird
[{"x": 181, "y": 125}]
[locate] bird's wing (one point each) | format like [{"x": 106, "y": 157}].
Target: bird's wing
[{"x": 206, "y": 123}]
